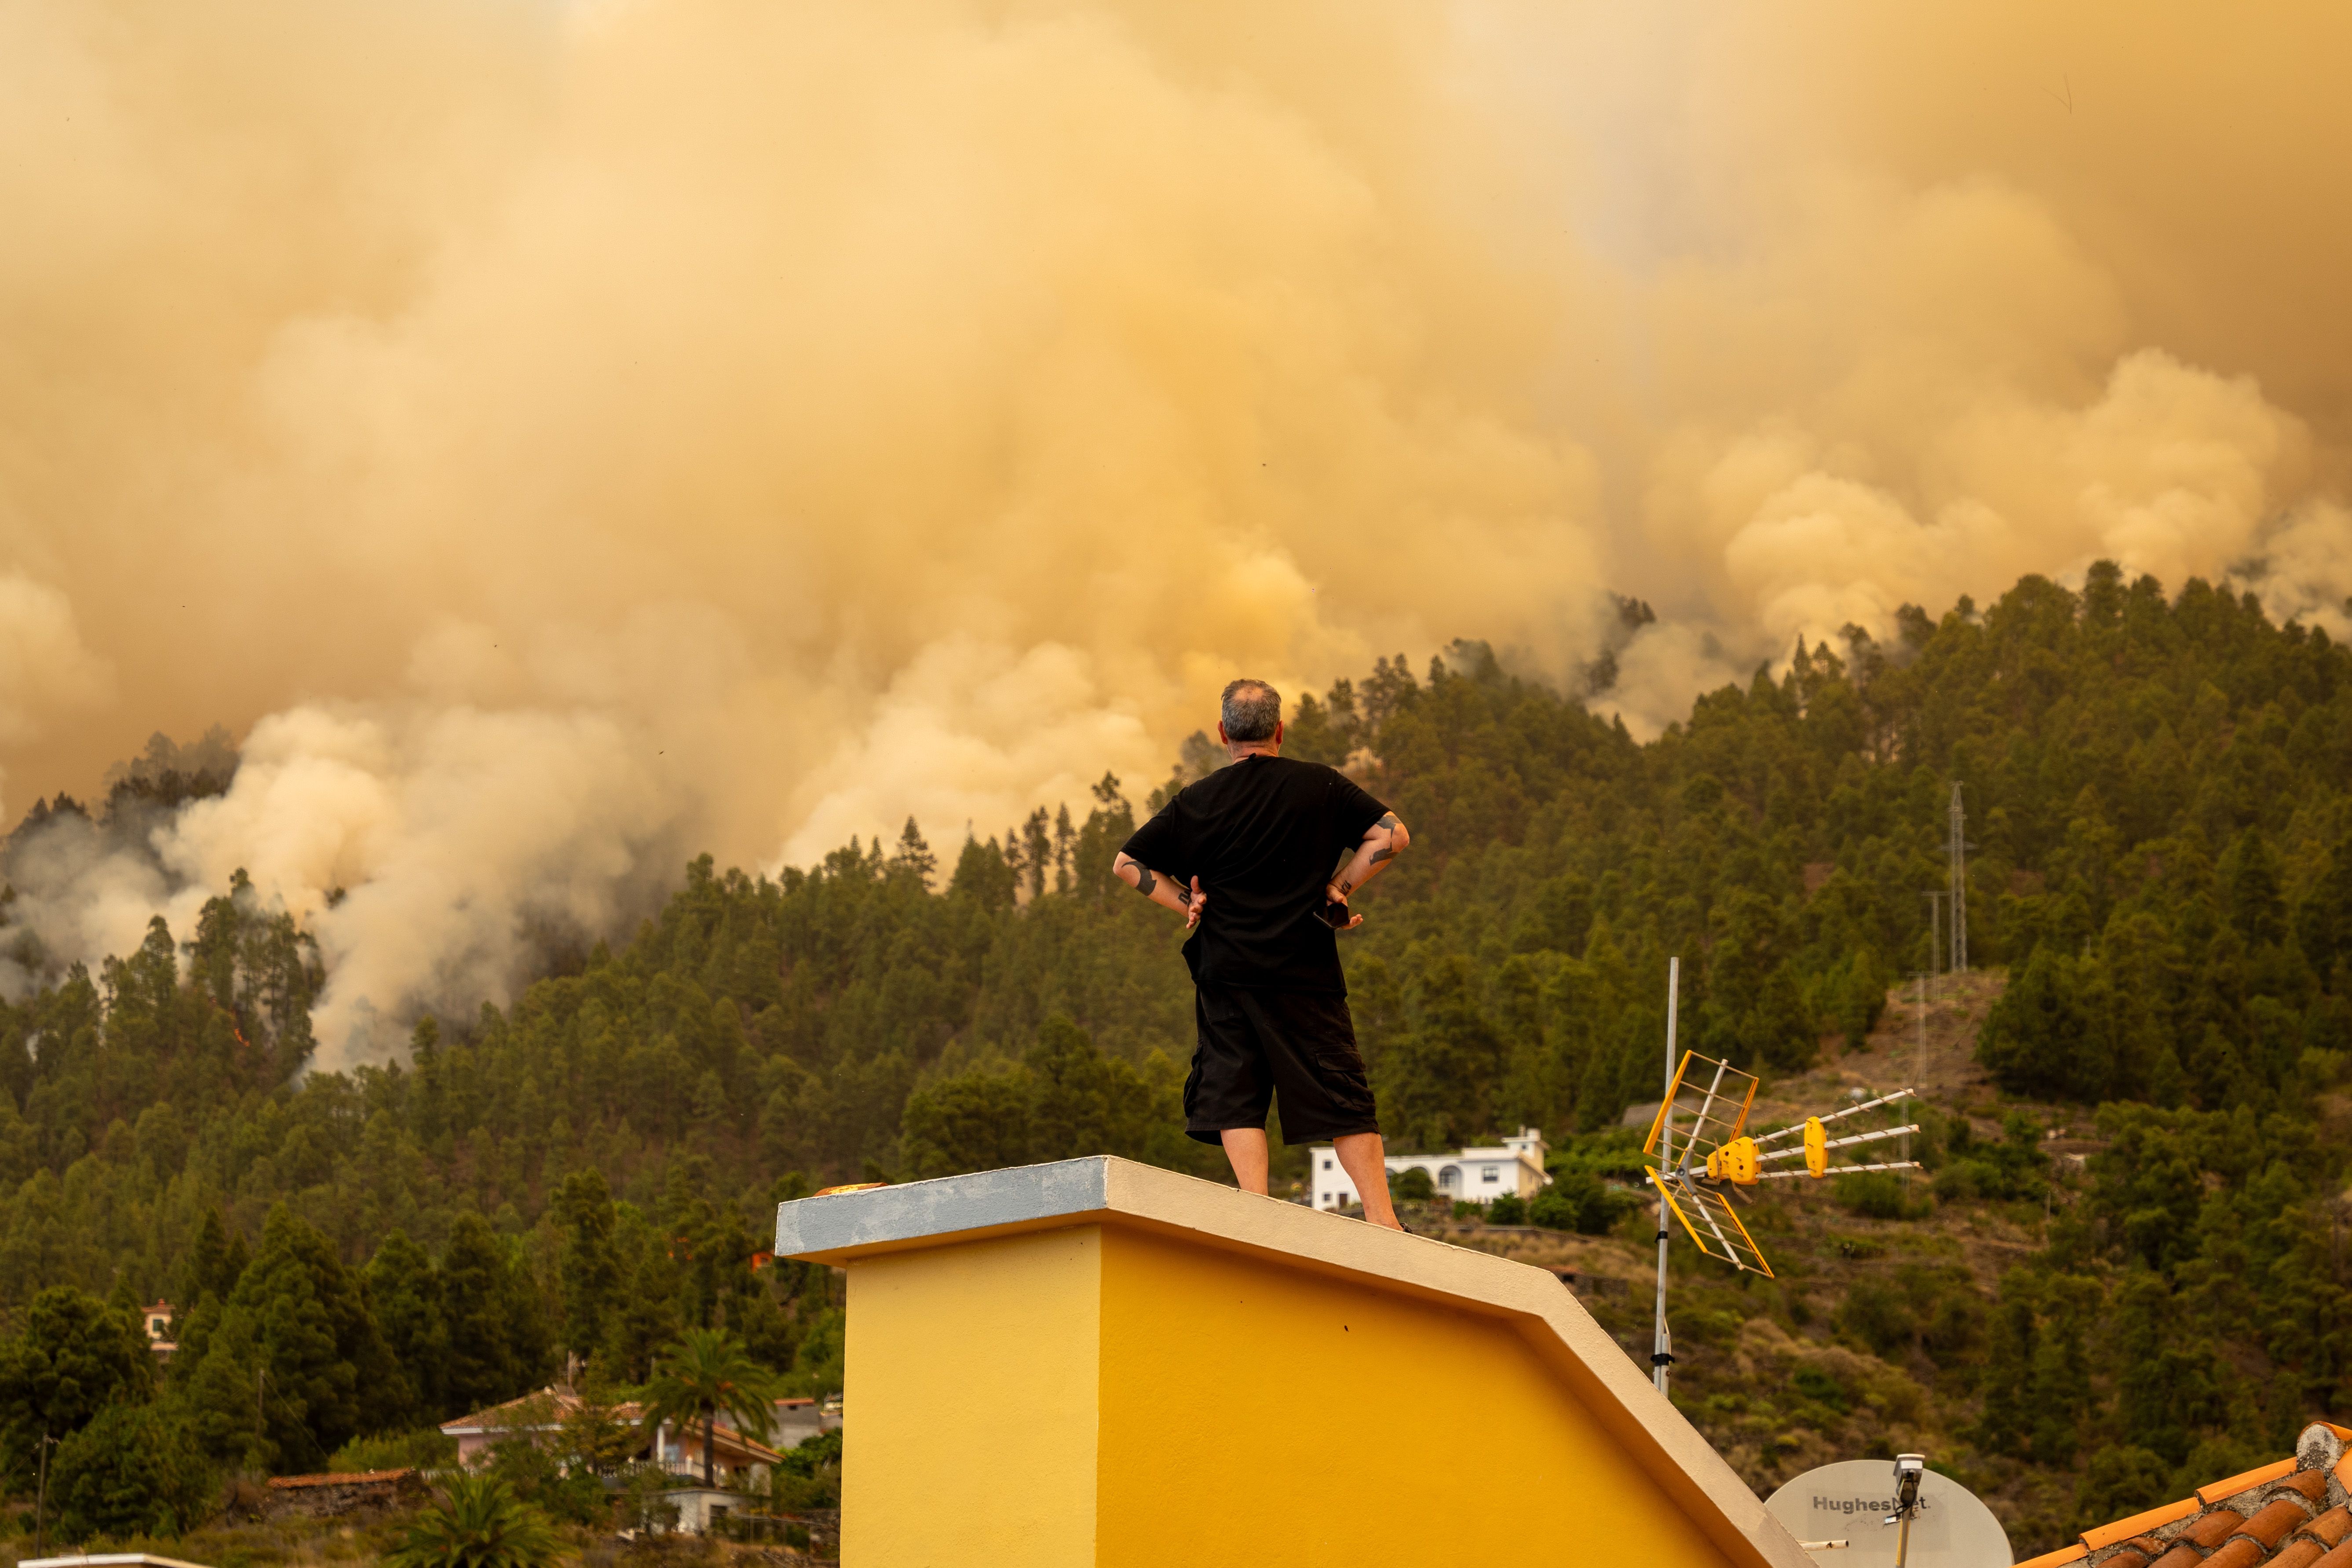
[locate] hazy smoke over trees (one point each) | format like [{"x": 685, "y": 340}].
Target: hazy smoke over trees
[{"x": 554, "y": 435}]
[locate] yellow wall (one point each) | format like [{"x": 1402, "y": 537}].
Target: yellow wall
[
  {"x": 1255, "y": 1412},
  {"x": 972, "y": 1376},
  {"x": 1108, "y": 1395}
]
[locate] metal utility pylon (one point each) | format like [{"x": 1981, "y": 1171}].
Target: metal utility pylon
[{"x": 1959, "y": 888}]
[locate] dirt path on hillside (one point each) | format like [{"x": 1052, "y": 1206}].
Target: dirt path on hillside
[{"x": 1951, "y": 1079}]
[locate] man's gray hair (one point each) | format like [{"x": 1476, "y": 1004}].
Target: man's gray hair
[{"x": 1252, "y": 710}]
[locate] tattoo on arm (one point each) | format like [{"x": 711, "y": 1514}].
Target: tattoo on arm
[
  {"x": 1380, "y": 854},
  {"x": 1388, "y": 820},
  {"x": 1147, "y": 881}
]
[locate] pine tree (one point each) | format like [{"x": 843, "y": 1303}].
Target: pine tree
[
  {"x": 973, "y": 1121},
  {"x": 590, "y": 1267},
  {"x": 403, "y": 1292},
  {"x": 483, "y": 1366},
  {"x": 430, "y": 1115},
  {"x": 913, "y": 857},
  {"x": 299, "y": 1324},
  {"x": 2158, "y": 1393},
  {"x": 134, "y": 1470},
  {"x": 1443, "y": 1072},
  {"x": 983, "y": 876},
  {"x": 2008, "y": 1422},
  {"x": 647, "y": 1320},
  {"x": 2060, "y": 1384},
  {"x": 207, "y": 1268},
  {"x": 76, "y": 1357}
]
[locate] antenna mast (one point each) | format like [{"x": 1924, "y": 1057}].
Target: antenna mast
[
  {"x": 1662, "y": 1354},
  {"x": 1958, "y": 895}
]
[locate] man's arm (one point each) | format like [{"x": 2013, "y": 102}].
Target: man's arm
[
  {"x": 1383, "y": 842},
  {"x": 1161, "y": 887}
]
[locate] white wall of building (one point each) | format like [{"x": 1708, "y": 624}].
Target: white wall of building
[{"x": 1477, "y": 1176}]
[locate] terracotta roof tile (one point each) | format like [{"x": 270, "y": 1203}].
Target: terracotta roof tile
[
  {"x": 338, "y": 1479},
  {"x": 2240, "y": 1552},
  {"x": 2330, "y": 1528},
  {"x": 2292, "y": 1513},
  {"x": 2211, "y": 1528},
  {"x": 2309, "y": 1485},
  {"x": 2276, "y": 1516}
]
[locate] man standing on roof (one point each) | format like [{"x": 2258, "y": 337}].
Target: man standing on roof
[{"x": 1257, "y": 842}]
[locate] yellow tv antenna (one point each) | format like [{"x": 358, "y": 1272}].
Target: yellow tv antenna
[{"x": 1705, "y": 1156}]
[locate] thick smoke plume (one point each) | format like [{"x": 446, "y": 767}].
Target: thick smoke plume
[{"x": 557, "y": 437}]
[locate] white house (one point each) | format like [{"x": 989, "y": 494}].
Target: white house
[
  {"x": 736, "y": 1459},
  {"x": 158, "y": 1319},
  {"x": 1476, "y": 1176}
]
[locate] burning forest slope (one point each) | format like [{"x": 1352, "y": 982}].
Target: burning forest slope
[{"x": 2160, "y": 886}]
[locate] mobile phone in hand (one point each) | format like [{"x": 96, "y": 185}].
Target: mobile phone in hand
[{"x": 1334, "y": 914}]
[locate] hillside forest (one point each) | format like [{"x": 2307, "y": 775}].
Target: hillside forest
[{"x": 2160, "y": 863}]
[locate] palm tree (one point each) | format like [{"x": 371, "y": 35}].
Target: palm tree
[
  {"x": 477, "y": 1523},
  {"x": 708, "y": 1373}
]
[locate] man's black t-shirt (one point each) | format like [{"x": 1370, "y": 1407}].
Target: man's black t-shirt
[{"x": 1264, "y": 837}]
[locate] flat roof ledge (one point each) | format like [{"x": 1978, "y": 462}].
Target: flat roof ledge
[
  {"x": 882, "y": 1218},
  {"x": 845, "y": 1227}
]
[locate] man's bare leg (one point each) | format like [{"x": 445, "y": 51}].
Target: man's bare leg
[
  {"x": 1246, "y": 1148},
  {"x": 1360, "y": 1157}
]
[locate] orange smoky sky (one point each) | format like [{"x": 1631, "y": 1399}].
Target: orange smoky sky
[{"x": 558, "y": 437}]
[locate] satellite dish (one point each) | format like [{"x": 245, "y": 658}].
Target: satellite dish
[{"x": 1848, "y": 1502}]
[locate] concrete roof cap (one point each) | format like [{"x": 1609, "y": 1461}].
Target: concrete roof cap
[{"x": 1105, "y": 1189}]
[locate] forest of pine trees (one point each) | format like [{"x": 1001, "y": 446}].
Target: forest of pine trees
[{"x": 2156, "y": 790}]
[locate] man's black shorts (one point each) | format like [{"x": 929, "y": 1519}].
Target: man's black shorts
[{"x": 1256, "y": 1044}]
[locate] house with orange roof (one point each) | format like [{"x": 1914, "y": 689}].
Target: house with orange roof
[{"x": 2295, "y": 1512}]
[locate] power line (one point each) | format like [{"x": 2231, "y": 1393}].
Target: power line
[{"x": 1926, "y": 978}]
